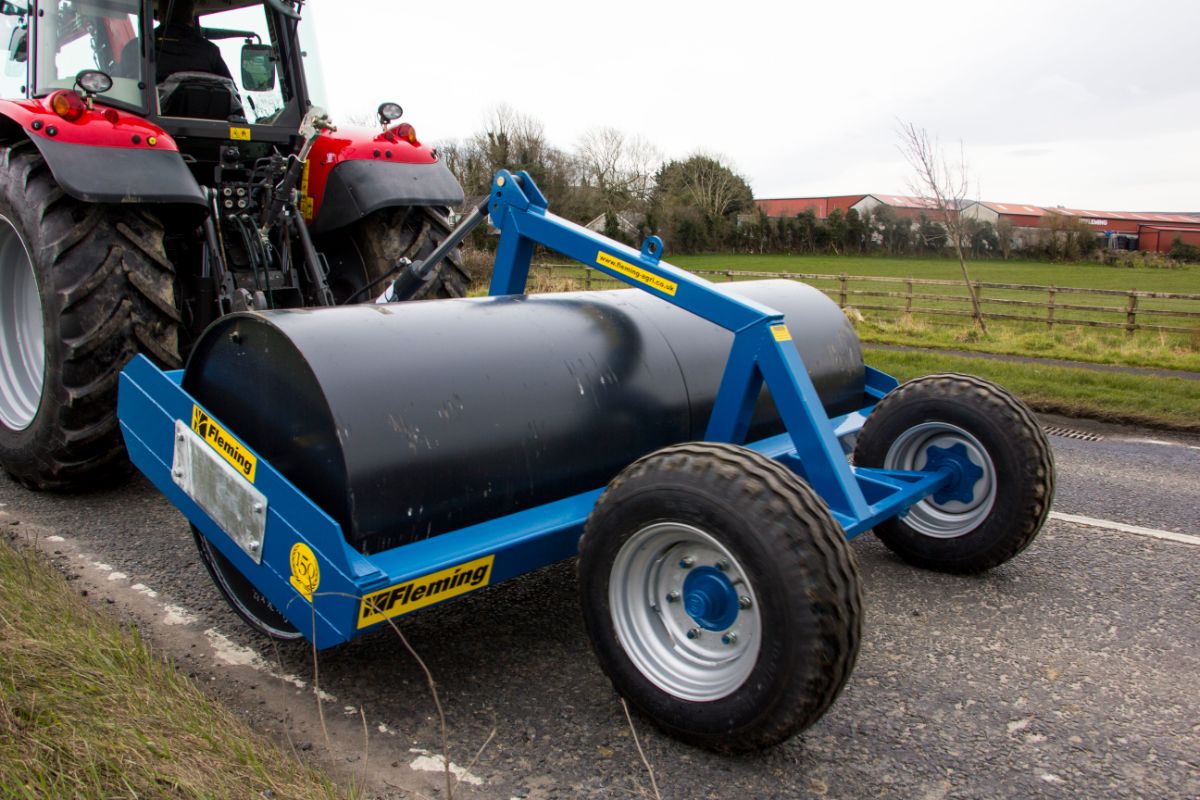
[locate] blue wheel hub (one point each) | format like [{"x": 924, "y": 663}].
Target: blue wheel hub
[
  {"x": 964, "y": 473},
  {"x": 710, "y": 598}
]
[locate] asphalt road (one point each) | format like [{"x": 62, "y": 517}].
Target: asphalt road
[{"x": 1072, "y": 671}]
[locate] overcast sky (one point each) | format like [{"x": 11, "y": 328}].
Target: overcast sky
[{"x": 1084, "y": 104}]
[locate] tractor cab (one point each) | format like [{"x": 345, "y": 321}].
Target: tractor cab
[
  {"x": 204, "y": 70},
  {"x": 183, "y": 144}
]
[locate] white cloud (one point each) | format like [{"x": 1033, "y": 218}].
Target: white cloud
[{"x": 804, "y": 97}]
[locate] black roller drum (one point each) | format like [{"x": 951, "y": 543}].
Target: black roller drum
[{"x": 409, "y": 420}]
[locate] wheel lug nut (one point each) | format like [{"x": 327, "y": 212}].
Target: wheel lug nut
[
  {"x": 693, "y": 633},
  {"x": 672, "y": 596},
  {"x": 729, "y": 638},
  {"x": 723, "y": 565},
  {"x": 744, "y": 602},
  {"x": 686, "y": 562}
]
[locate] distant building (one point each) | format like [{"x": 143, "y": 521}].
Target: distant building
[
  {"x": 1126, "y": 230},
  {"x": 628, "y": 223},
  {"x": 1121, "y": 230},
  {"x": 795, "y": 206}
]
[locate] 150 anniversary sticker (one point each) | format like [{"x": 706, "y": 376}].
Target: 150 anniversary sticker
[{"x": 425, "y": 591}]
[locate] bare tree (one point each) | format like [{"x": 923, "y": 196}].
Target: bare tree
[
  {"x": 621, "y": 168},
  {"x": 945, "y": 186}
]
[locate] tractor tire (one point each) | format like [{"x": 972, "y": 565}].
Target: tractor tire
[
  {"x": 83, "y": 287},
  {"x": 1001, "y": 459},
  {"x": 363, "y": 256},
  {"x": 720, "y": 596}
]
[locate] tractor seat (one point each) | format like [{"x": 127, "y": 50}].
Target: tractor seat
[{"x": 200, "y": 95}]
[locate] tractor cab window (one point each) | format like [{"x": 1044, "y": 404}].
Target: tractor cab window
[
  {"x": 244, "y": 39},
  {"x": 14, "y": 38},
  {"x": 74, "y": 35}
]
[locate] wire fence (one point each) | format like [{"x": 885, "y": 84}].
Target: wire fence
[{"x": 1130, "y": 310}]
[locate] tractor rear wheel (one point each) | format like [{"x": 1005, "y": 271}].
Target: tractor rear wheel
[
  {"x": 83, "y": 287},
  {"x": 363, "y": 257}
]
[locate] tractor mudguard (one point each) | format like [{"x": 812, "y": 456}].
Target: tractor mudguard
[
  {"x": 120, "y": 175},
  {"x": 356, "y": 188},
  {"x": 104, "y": 156},
  {"x": 354, "y": 171}
]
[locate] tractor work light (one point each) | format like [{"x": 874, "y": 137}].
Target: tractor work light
[
  {"x": 67, "y": 104},
  {"x": 93, "y": 81},
  {"x": 389, "y": 112}
]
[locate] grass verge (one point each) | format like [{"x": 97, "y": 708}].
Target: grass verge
[
  {"x": 1162, "y": 351},
  {"x": 88, "y": 710},
  {"x": 1110, "y": 396}
]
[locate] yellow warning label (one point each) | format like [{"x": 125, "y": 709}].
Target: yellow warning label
[
  {"x": 637, "y": 273},
  {"x": 306, "y": 200},
  {"x": 219, "y": 439},
  {"x": 239, "y": 134},
  {"x": 425, "y": 591},
  {"x": 306, "y": 574},
  {"x": 781, "y": 333}
]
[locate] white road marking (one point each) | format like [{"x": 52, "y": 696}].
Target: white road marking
[
  {"x": 1120, "y": 527},
  {"x": 1161, "y": 442},
  {"x": 177, "y": 615},
  {"x": 228, "y": 652},
  {"x": 434, "y": 763}
]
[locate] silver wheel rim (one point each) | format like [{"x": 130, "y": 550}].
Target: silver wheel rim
[
  {"x": 653, "y": 628},
  {"x": 953, "y": 518},
  {"x": 22, "y": 342}
]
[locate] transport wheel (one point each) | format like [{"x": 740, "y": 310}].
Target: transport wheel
[
  {"x": 368, "y": 250},
  {"x": 241, "y": 595},
  {"x": 720, "y": 595},
  {"x": 83, "y": 287},
  {"x": 1003, "y": 471}
]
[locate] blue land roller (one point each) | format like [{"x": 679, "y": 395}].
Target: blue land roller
[{"x": 706, "y": 451}]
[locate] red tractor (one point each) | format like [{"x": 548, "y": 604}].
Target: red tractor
[{"x": 146, "y": 189}]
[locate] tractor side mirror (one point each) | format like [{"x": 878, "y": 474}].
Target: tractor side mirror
[
  {"x": 258, "y": 67},
  {"x": 18, "y": 45}
]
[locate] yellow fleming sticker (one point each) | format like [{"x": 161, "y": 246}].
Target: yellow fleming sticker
[
  {"x": 239, "y": 134},
  {"x": 637, "y": 273},
  {"x": 306, "y": 574},
  {"x": 425, "y": 591},
  {"x": 219, "y": 439},
  {"x": 781, "y": 333}
]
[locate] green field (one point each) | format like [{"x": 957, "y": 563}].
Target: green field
[
  {"x": 1185, "y": 279},
  {"x": 881, "y": 307}
]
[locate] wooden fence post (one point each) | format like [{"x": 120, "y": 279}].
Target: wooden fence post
[
  {"x": 1050, "y": 309},
  {"x": 587, "y": 278},
  {"x": 842, "y": 291},
  {"x": 729, "y": 275},
  {"x": 908, "y": 296},
  {"x": 1131, "y": 313}
]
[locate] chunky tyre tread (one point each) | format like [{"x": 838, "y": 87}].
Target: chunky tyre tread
[
  {"x": 369, "y": 249},
  {"x": 770, "y": 490},
  {"x": 1025, "y": 436},
  {"x": 108, "y": 291}
]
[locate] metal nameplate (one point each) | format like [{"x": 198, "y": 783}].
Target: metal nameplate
[{"x": 226, "y": 496}]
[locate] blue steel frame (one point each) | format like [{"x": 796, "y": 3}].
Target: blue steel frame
[{"x": 150, "y": 401}]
